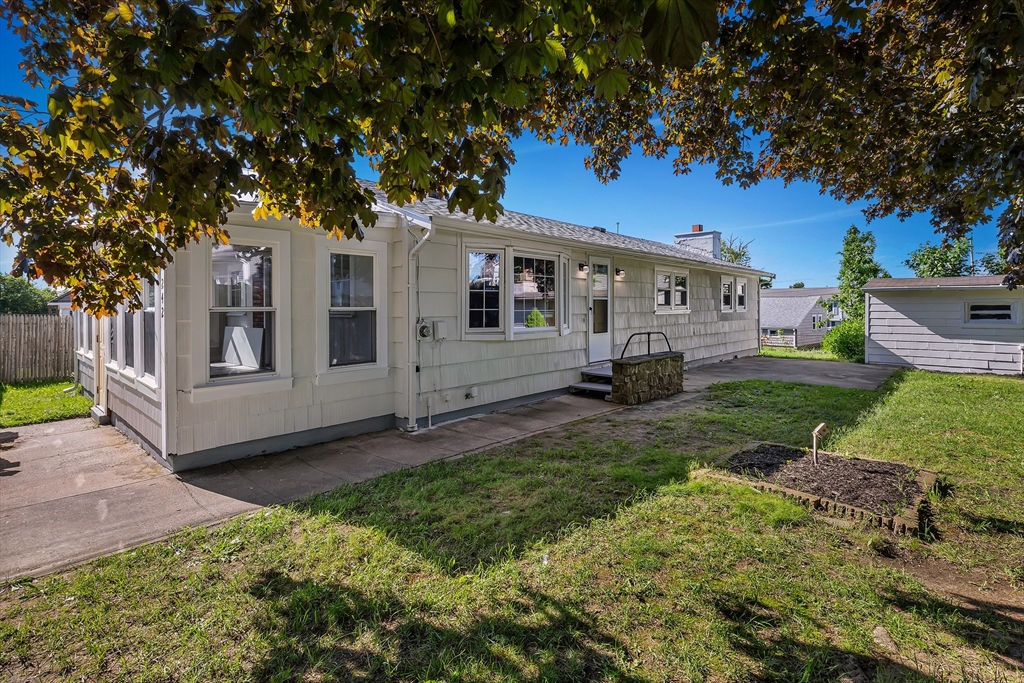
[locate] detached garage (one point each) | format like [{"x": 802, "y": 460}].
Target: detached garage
[{"x": 947, "y": 324}]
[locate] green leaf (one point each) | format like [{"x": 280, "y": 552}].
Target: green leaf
[
  {"x": 674, "y": 31},
  {"x": 612, "y": 82},
  {"x": 580, "y": 65},
  {"x": 630, "y": 46},
  {"x": 446, "y": 15}
]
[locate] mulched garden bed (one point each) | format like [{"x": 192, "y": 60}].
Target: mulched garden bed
[{"x": 884, "y": 488}]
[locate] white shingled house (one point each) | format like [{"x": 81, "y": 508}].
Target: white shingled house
[
  {"x": 283, "y": 337},
  {"x": 948, "y": 324}
]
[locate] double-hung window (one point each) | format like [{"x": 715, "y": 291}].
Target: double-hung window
[
  {"x": 150, "y": 319},
  {"x": 741, "y": 295},
  {"x": 727, "y": 294},
  {"x": 672, "y": 291},
  {"x": 242, "y": 311},
  {"x": 484, "y": 303},
  {"x": 566, "y": 313},
  {"x": 133, "y": 338},
  {"x": 352, "y": 324},
  {"x": 533, "y": 293}
]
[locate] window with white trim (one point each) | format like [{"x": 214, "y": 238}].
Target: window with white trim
[
  {"x": 991, "y": 312},
  {"x": 484, "y": 301},
  {"x": 566, "y": 312},
  {"x": 352, "y": 310},
  {"x": 727, "y": 298},
  {"x": 741, "y": 295},
  {"x": 133, "y": 337},
  {"x": 534, "y": 295},
  {"x": 672, "y": 290},
  {"x": 242, "y": 311},
  {"x": 149, "y": 332}
]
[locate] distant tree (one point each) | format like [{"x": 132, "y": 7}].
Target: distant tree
[
  {"x": 941, "y": 260},
  {"x": 797, "y": 285},
  {"x": 856, "y": 267},
  {"x": 735, "y": 250},
  {"x": 18, "y": 295},
  {"x": 994, "y": 262},
  {"x": 765, "y": 282}
]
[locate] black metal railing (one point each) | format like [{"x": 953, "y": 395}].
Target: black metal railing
[{"x": 638, "y": 334}]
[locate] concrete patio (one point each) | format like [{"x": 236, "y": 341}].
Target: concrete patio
[{"x": 71, "y": 491}]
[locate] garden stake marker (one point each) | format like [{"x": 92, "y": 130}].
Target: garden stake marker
[{"x": 819, "y": 432}]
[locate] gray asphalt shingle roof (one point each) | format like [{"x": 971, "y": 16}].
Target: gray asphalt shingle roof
[
  {"x": 968, "y": 282},
  {"x": 786, "y": 312},
  {"x": 799, "y": 292},
  {"x": 549, "y": 227}
]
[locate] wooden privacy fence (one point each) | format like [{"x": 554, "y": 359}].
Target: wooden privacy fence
[{"x": 35, "y": 347}]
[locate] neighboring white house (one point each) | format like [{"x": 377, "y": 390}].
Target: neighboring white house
[
  {"x": 62, "y": 303},
  {"x": 798, "y": 317},
  {"x": 950, "y": 324},
  {"x": 283, "y": 337}
]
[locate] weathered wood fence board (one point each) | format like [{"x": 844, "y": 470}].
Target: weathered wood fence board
[{"x": 35, "y": 347}]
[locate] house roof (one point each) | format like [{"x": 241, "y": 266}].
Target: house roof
[
  {"x": 786, "y": 312},
  {"x": 536, "y": 225},
  {"x": 799, "y": 292},
  {"x": 64, "y": 298},
  {"x": 881, "y": 284}
]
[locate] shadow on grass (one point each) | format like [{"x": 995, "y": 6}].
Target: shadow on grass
[
  {"x": 753, "y": 628},
  {"x": 325, "y": 630},
  {"x": 461, "y": 514}
]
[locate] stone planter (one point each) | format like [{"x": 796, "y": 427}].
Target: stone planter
[{"x": 640, "y": 379}]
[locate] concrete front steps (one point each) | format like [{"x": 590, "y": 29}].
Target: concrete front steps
[{"x": 597, "y": 381}]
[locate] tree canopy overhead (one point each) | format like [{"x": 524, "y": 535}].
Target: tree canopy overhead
[{"x": 162, "y": 110}]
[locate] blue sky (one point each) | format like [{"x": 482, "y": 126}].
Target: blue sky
[{"x": 796, "y": 231}]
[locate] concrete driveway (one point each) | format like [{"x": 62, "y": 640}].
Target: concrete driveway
[
  {"x": 819, "y": 372},
  {"x": 71, "y": 491}
]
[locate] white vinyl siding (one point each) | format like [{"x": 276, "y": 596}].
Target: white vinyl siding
[{"x": 932, "y": 330}]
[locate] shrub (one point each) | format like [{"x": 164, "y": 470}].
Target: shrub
[{"x": 846, "y": 340}]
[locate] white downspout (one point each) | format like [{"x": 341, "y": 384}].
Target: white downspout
[{"x": 413, "y": 319}]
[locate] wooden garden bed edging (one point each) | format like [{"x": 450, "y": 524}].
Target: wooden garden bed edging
[{"x": 915, "y": 518}]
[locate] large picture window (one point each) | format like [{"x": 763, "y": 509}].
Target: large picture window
[
  {"x": 352, "y": 326},
  {"x": 534, "y": 295},
  {"x": 672, "y": 290},
  {"x": 242, "y": 332},
  {"x": 484, "y": 302}
]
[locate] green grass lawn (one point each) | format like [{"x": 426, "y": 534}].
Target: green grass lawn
[
  {"x": 586, "y": 554},
  {"x": 803, "y": 354},
  {"x": 32, "y": 402}
]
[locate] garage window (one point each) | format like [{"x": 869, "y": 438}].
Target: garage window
[{"x": 991, "y": 313}]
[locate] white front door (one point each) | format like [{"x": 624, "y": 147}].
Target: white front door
[{"x": 599, "y": 329}]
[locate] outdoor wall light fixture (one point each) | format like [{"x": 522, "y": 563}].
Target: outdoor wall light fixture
[
  {"x": 584, "y": 268},
  {"x": 619, "y": 272}
]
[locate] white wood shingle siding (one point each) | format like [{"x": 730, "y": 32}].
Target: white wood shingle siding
[{"x": 928, "y": 330}]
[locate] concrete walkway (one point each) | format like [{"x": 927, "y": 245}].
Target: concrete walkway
[{"x": 71, "y": 491}]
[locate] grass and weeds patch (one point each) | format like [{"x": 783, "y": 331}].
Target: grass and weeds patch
[
  {"x": 585, "y": 554},
  {"x": 33, "y": 402},
  {"x": 696, "y": 581},
  {"x": 801, "y": 354},
  {"x": 462, "y": 513},
  {"x": 969, "y": 429}
]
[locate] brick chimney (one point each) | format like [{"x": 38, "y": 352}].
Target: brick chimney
[{"x": 709, "y": 242}]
